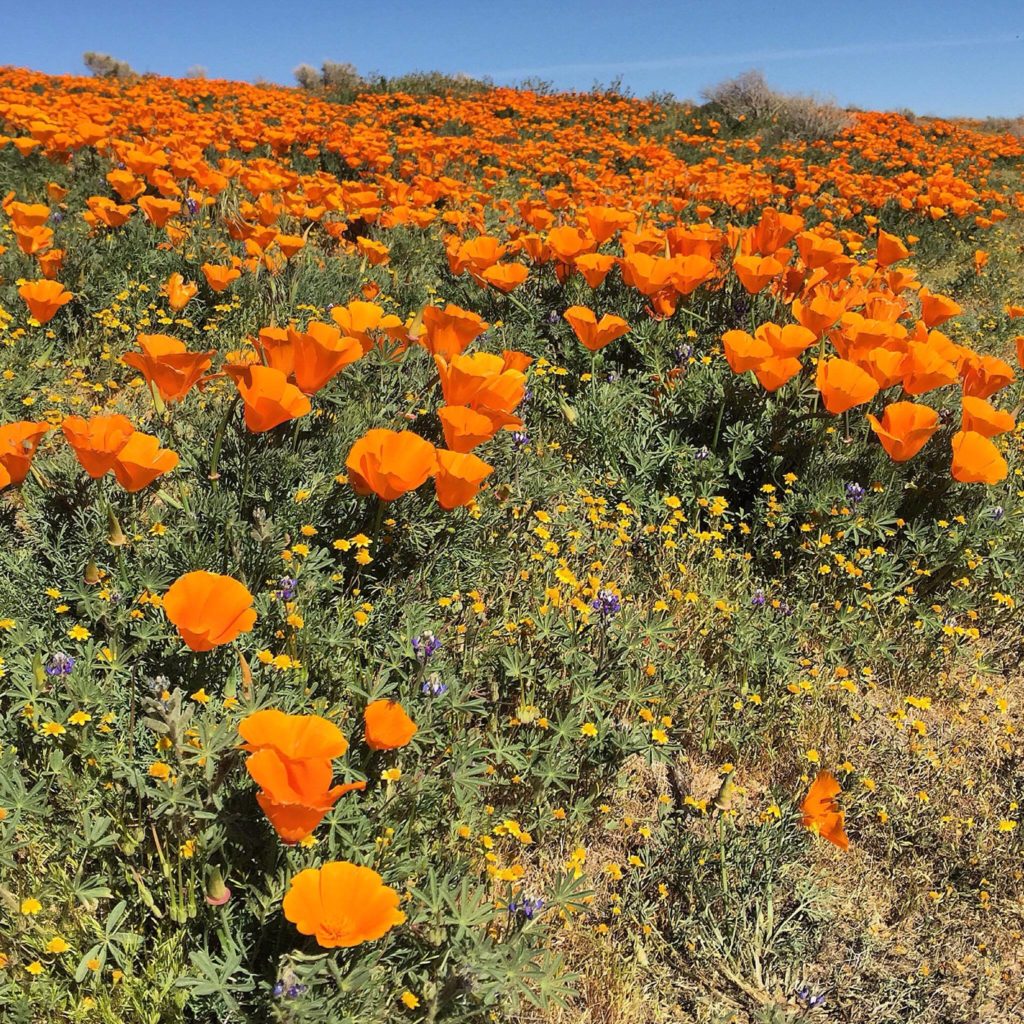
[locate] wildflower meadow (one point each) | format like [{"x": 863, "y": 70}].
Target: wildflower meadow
[{"x": 481, "y": 554}]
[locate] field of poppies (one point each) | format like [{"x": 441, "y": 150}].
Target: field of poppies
[{"x": 506, "y": 556}]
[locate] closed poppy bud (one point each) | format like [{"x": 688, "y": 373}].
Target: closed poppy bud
[
  {"x": 141, "y": 461},
  {"x": 976, "y": 460},
  {"x": 44, "y": 298},
  {"x": 217, "y": 893},
  {"x": 341, "y": 905},
  {"x": 387, "y": 726},
  {"x": 269, "y": 399},
  {"x": 209, "y": 609},
  {"x": 97, "y": 441},
  {"x": 458, "y": 478},
  {"x": 904, "y": 429},
  {"x": 115, "y": 535},
  {"x": 390, "y": 463},
  {"x": 18, "y": 443},
  {"x": 168, "y": 365}
]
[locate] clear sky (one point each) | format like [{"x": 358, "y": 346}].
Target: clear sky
[{"x": 933, "y": 56}]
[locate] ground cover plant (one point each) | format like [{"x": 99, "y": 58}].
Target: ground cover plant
[{"x": 491, "y": 555}]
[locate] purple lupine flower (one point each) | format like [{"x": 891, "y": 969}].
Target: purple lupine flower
[
  {"x": 758, "y": 599},
  {"x": 60, "y": 664},
  {"x": 425, "y": 646},
  {"x": 855, "y": 493},
  {"x": 702, "y": 453},
  {"x": 520, "y": 438},
  {"x": 286, "y": 587},
  {"x": 528, "y": 908},
  {"x": 606, "y": 604},
  {"x": 433, "y": 687},
  {"x": 997, "y": 513}
]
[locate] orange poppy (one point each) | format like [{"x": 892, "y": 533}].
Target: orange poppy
[
  {"x": 755, "y": 272},
  {"x": 18, "y": 443},
  {"x": 844, "y": 385},
  {"x": 387, "y": 726},
  {"x": 937, "y": 309},
  {"x": 209, "y": 609},
  {"x": 821, "y": 813},
  {"x": 320, "y": 353},
  {"x": 179, "y": 292},
  {"x": 982, "y": 418},
  {"x": 44, "y": 298},
  {"x": 168, "y": 365},
  {"x": 744, "y": 352},
  {"x": 98, "y": 441},
  {"x": 905, "y": 428},
  {"x": 889, "y": 249},
  {"x": 484, "y": 382},
  {"x": 506, "y": 277},
  {"x": 983, "y": 376},
  {"x": 294, "y": 737},
  {"x": 924, "y": 369},
  {"x": 594, "y": 267},
  {"x": 448, "y": 332},
  {"x": 778, "y": 370},
  {"x": 464, "y": 428},
  {"x": 158, "y": 211},
  {"x": 269, "y": 399},
  {"x": 141, "y": 461},
  {"x": 341, "y": 905},
  {"x": 458, "y": 478},
  {"x": 357, "y": 319},
  {"x": 390, "y": 463},
  {"x": 976, "y": 460},
  {"x": 594, "y": 334},
  {"x": 220, "y": 278}
]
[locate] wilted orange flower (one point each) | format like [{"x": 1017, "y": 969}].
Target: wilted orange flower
[
  {"x": 594, "y": 334},
  {"x": 168, "y": 365},
  {"x": 390, "y": 463},
  {"x": 209, "y": 609},
  {"x": 141, "y": 460},
  {"x": 976, "y": 460},
  {"x": 179, "y": 292},
  {"x": 982, "y": 418},
  {"x": 341, "y": 905},
  {"x": 448, "y": 332},
  {"x": 269, "y": 399},
  {"x": 98, "y": 441},
  {"x": 458, "y": 477},
  {"x": 44, "y": 298},
  {"x": 387, "y": 726},
  {"x": 220, "y": 278},
  {"x": 464, "y": 428},
  {"x": 821, "y": 813},
  {"x": 905, "y": 429},
  {"x": 844, "y": 385},
  {"x": 18, "y": 443}
]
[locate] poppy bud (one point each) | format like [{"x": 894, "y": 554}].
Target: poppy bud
[
  {"x": 115, "y": 535},
  {"x": 217, "y": 893},
  {"x": 92, "y": 573}
]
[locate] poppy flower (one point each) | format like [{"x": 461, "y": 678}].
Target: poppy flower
[
  {"x": 982, "y": 418},
  {"x": 458, "y": 478},
  {"x": 889, "y": 249},
  {"x": 268, "y": 397},
  {"x": 158, "y": 211},
  {"x": 821, "y": 813},
  {"x": 905, "y": 428},
  {"x": 506, "y": 277},
  {"x": 937, "y": 309},
  {"x": 744, "y": 352},
  {"x": 357, "y": 319},
  {"x": 482, "y": 381},
  {"x": 778, "y": 370},
  {"x": 448, "y": 332},
  {"x": 98, "y": 441},
  {"x": 295, "y": 737},
  {"x": 18, "y": 443},
  {"x": 844, "y": 385},
  {"x": 594, "y": 267},
  {"x": 320, "y": 353},
  {"x": 141, "y": 461},
  {"x": 976, "y": 460},
  {"x": 464, "y": 428},
  {"x": 341, "y": 905},
  {"x": 209, "y": 609},
  {"x": 179, "y": 292},
  {"x": 44, "y": 298},
  {"x": 594, "y": 334},
  {"x": 220, "y": 278},
  {"x": 390, "y": 463},
  {"x": 387, "y": 726},
  {"x": 168, "y": 365},
  {"x": 983, "y": 376},
  {"x": 755, "y": 272},
  {"x": 924, "y": 369}
]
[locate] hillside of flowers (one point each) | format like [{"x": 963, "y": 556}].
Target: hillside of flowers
[{"x": 506, "y": 557}]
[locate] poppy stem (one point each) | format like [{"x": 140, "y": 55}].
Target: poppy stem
[{"x": 219, "y": 440}]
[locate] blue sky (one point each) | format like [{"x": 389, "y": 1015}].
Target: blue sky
[{"x": 944, "y": 56}]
